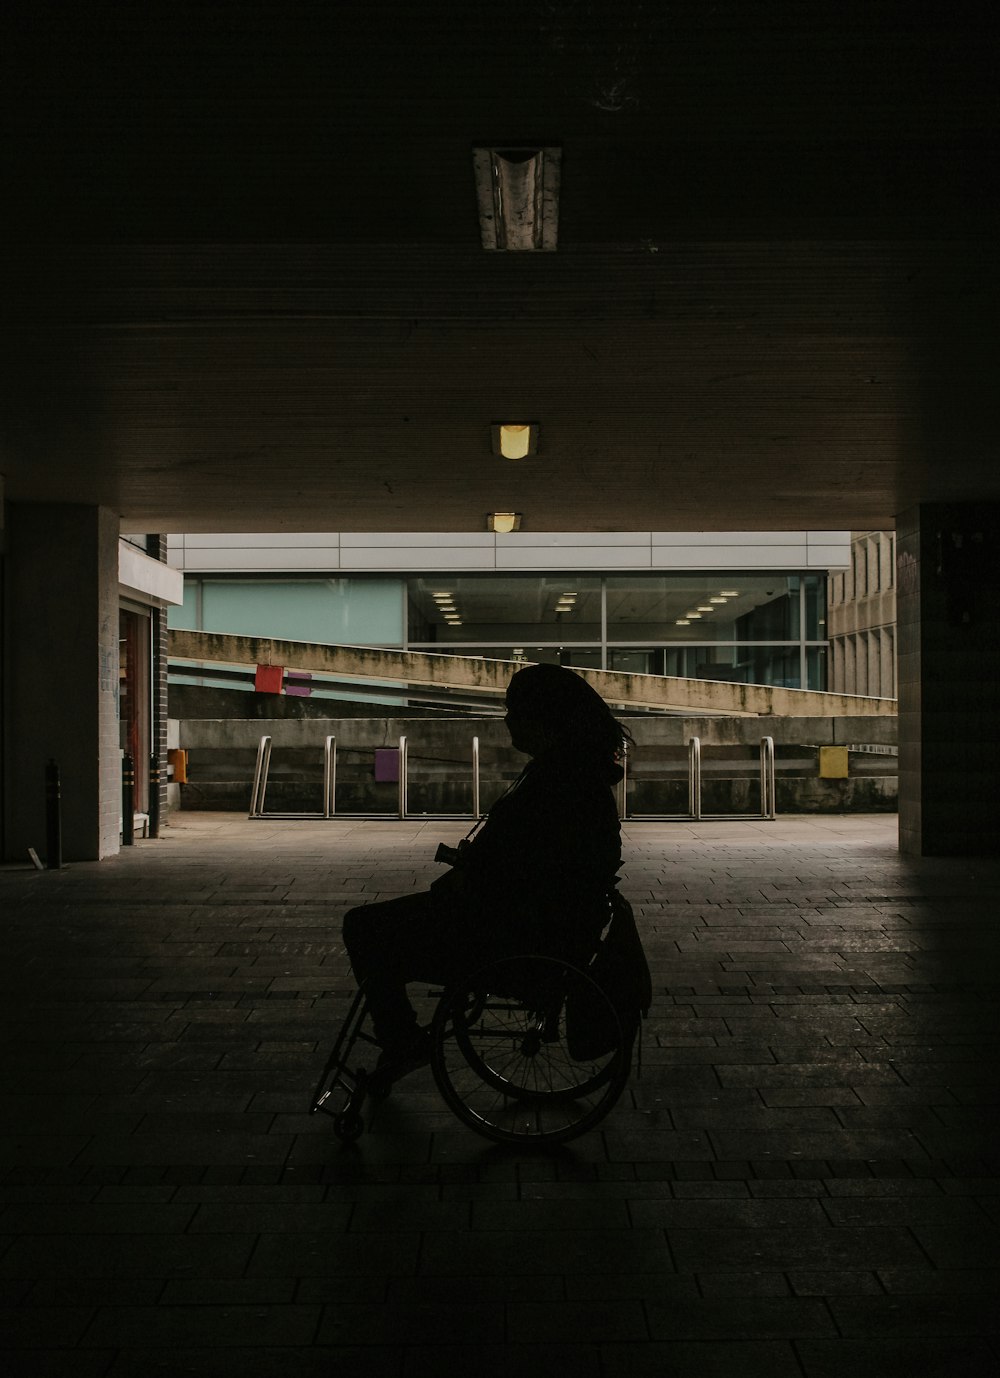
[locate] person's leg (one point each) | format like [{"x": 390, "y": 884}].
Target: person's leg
[{"x": 389, "y": 944}]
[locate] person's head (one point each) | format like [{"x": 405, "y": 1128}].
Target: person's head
[{"x": 552, "y": 708}]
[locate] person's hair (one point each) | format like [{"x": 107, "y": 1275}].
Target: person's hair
[{"x": 572, "y": 714}]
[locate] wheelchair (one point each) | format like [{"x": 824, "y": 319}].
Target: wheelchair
[{"x": 526, "y": 1051}]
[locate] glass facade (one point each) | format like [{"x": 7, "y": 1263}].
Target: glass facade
[{"x": 754, "y": 628}]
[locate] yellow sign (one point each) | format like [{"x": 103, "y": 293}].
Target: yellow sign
[{"x": 833, "y": 763}]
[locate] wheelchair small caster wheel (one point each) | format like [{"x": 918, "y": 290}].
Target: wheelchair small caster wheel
[{"x": 348, "y": 1126}]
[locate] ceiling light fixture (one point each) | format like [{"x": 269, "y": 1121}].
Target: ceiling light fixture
[
  {"x": 730, "y": 593},
  {"x": 704, "y": 607},
  {"x": 514, "y": 441},
  {"x": 503, "y": 521},
  {"x": 718, "y": 600},
  {"x": 517, "y": 190},
  {"x": 682, "y": 622},
  {"x": 694, "y": 616}
]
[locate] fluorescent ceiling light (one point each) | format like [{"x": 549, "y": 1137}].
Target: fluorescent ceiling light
[
  {"x": 682, "y": 622},
  {"x": 694, "y": 615},
  {"x": 514, "y": 440},
  {"x": 704, "y": 607},
  {"x": 517, "y": 190},
  {"x": 730, "y": 593},
  {"x": 503, "y": 521},
  {"x": 718, "y": 600}
]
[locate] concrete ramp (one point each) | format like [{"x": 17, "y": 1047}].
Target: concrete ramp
[{"x": 476, "y": 675}]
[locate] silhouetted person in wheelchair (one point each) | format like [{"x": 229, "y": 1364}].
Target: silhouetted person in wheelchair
[{"x": 534, "y": 878}]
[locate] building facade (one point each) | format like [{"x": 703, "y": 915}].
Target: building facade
[
  {"x": 861, "y": 618},
  {"x": 748, "y": 607}
]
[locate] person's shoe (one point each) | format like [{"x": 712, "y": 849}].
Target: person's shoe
[{"x": 398, "y": 1060}]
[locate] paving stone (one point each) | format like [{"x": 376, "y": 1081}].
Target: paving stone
[
  {"x": 803, "y": 1247},
  {"x": 744, "y": 1284},
  {"x": 705, "y": 1214},
  {"x": 749, "y": 1318},
  {"x": 279, "y": 1361},
  {"x": 896, "y": 1358},
  {"x": 705, "y": 1359},
  {"x": 470, "y": 1323},
  {"x": 215, "y": 1325},
  {"x": 500, "y": 1361},
  {"x": 569, "y": 1251},
  {"x": 126, "y": 1255},
  {"x": 593, "y": 1321},
  {"x": 320, "y": 1255},
  {"x": 39, "y": 1362}
]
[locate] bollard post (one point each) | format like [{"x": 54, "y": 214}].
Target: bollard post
[
  {"x": 53, "y": 817},
  {"x": 154, "y": 796},
  {"x": 128, "y": 800}
]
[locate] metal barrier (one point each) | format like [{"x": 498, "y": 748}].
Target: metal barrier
[
  {"x": 694, "y": 777},
  {"x": 768, "y": 809},
  {"x": 262, "y": 770},
  {"x": 696, "y": 811},
  {"x": 767, "y": 783},
  {"x": 768, "y": 797},
  {"x": 404, "y": 780},
  {"x": 263, "y": 766}
]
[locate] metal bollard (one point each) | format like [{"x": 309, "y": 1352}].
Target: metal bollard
[
  {"x": 128, "y": 800},
  {"x": 154, "y": 796},
  {"x": 53, "y": 818}
]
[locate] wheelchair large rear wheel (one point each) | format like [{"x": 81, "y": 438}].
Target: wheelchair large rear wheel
[{"x": 511, "y": 1058}]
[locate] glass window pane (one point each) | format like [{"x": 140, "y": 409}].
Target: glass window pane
[
  {"x": 503, "y": 608},
  {"x": 701, "y": 607},
  {"x": 816, "y": 660},
  {"x": 815, "y": 586},
  {"x": 185, "y": 617},
  {"x": 351, "y": 612}
]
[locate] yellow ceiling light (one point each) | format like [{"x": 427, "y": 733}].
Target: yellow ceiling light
[
  {"x": 514, "y": 440},
  {"x": 694, "y": 616},
  {"x": 503, "y": 521}
]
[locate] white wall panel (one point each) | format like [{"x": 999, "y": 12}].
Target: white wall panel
[
  {"x": 523, "y": 550},
  {"x": 571, "y": 557},
  {"x": 403, "y": 559}
]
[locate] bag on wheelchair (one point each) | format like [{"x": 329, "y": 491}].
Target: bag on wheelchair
[{"x": 624, "y": 988}]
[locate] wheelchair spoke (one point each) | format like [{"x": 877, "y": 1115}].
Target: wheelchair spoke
[{"x": 511, "y": 1072}]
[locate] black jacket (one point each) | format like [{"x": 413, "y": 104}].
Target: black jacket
[{"x": 536, "y": 875}]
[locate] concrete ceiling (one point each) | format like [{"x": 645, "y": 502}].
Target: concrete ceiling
[{"x": 244, "y": 288}]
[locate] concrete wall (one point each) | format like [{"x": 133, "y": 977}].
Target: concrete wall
[
  {"x": 948, "y": 619},
  {"x": 223, "y": 753},
  {"x": 61, "y": 676}
]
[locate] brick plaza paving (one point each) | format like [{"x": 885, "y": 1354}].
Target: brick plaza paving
[{"x": 801, "y": 1184}]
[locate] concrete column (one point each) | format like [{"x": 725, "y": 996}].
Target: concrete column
[
  {"x": 948, "y": 665},
  {"x": 61, "y": 676}
]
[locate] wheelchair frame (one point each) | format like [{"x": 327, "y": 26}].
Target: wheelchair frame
[{"x": 502, "y": 1055}]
